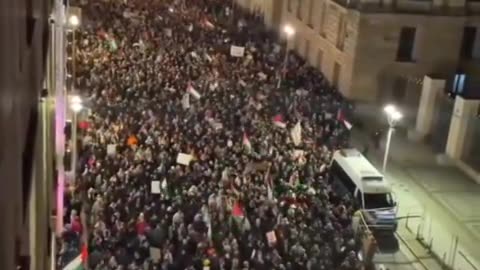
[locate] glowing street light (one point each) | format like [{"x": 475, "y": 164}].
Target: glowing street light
[
  {"x": 76, "y": 107},
  {"x": 393, "y": 116},
  {"x": 73, "y": 20},
  {"x": 75, "y": 100},
  {"x": 289, "y": 30},
  {"x": 289, "y": 33}
]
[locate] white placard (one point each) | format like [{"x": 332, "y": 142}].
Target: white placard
[
  {"x": 168, "y": 32},
  {"x": 237, "y": 51},
  {"x": 111, "y": 149},
  {"x": 155, "y": 187},
  {"x": 272, "y": 238},
  {"x": 184, "y": 159}
]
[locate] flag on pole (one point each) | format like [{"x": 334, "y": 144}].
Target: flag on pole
[
  {"x": 347, "y": 124},
  {"x": 278, "y": 121},
  {"x": 186, "y": 101},
  {"x": 208, "y": 24},
  {"x": 296, "y": 134},
  {"x": 341, "y": 118},
  {"x": 84, "y": 254},
  {"x": 246, "y": 142},
  {"x": 80, "y": 261},
  {"x": 193, "y": 92},
  {"x": 237, "y": 210}
]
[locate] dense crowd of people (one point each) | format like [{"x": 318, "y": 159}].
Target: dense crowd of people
[{"x": 251, "y": 188}]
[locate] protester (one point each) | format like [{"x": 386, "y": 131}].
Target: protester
[{"x": 251, "y": 188}]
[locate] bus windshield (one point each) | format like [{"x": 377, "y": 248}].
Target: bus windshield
[{"x": 378, "y": 200}]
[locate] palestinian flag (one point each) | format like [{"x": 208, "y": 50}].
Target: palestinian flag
[
  {"x": 341, "y": 118},
  {"x": 278, "y": 121},
  {"x": 112, "y": 43},
  {"x": 79, "y": 262},
  {"x": 237, "y": 210}
]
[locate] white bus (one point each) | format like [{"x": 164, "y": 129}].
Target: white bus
[{"x": 354, "y": 175}]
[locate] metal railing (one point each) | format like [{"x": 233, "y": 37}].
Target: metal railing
[
  {"x": 407, "y": 7},
  {"x": 440, "y": 243}
]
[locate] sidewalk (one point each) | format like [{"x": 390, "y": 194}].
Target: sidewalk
[{"x": 438, "y": 204}]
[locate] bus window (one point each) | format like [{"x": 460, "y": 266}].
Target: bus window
[
  {"x": 379, "y": 200},
  {"x": 372, "y": 178},
  {"x": 358, "y": 198},
  {"x": 341, "y": 176}
]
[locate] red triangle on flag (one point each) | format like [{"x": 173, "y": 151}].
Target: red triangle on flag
[
  {"x": 237, "y": 210},
  {"x": 278, "y": 118},
  {"x": 84, "y": 254}
]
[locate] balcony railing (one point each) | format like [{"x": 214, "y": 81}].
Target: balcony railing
[{"x": 409, "y": 7}]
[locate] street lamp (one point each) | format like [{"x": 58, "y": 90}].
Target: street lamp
[
  {"x": 76, "y": 106},
  {"x": 393, "y": 116},
  {"x": 289, "y": 33},
  {"x": 73, "y": 21}
]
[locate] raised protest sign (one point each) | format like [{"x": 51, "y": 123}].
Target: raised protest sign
[
  {"x": 237, "y": 51},
  {"x": 272, "y": 238},
  {"x": 155, "y": 187},
  {"x": 111, "y": 149},
  {"x": 184, "y": 159}
]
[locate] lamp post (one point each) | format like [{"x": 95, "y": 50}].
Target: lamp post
[
  {"x": 289, "y": 32},
  {"x": 76, "y": 106},
  {"x": 232, "y": 18},
  {"x": 393, "y": 116},
  {"x": 73, "y": 23}
]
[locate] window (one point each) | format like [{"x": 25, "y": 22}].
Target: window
[
  {"x": 289, "y": 5},
  {"x": 336, "y": 74},
  {"x": 468, "y": 41},
  {"x": 343, "y": 183},
  {"x": 458, "y": 84},
  {"x": 380, "y": 200},
  {"x": 323, "y": 16},
  {"x": 310, "y": 13},
  {"x": 342, "y": 25},
  {"x": 406, "y": 44},
  {"x": 299, "y": 9},
  {"x": 319, "y": 59}
]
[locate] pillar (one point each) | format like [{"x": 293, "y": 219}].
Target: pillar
[
  {"x": 60, "y": 103},
  {"x": 431, "y": 90},
  {"x": 463, "y": 112}
]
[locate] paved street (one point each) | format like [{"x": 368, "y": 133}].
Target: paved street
[{"x": 438, "y": 204}]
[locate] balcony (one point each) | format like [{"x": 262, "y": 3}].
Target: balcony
[{"x": 408, "y": 7}]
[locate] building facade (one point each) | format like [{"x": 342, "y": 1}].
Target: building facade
[
  {"x": 379, "y": 50},
  {"x": 26, "y": 173}
]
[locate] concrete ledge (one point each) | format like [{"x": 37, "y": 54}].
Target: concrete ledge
[
  {"x": 415, "y": 136},
  {"x": 468, "y": 170},
  {"x": 444, "y": 160}
]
